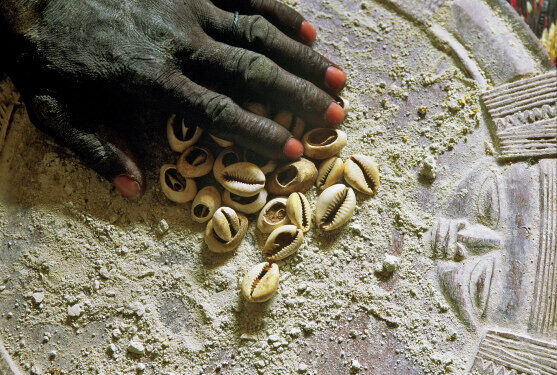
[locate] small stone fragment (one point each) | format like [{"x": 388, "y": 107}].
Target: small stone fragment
[
  {"x": 429, "y": 168},
  {"x": 136, "y": 347},
  {"x": 75, "y": 311},
  {"x": 38, "y": 297}
]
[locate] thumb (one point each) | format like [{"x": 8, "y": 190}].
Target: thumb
[{"x": 49, "y": 114}]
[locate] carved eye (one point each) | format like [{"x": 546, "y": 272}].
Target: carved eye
[{"x": 488, "y": 201}]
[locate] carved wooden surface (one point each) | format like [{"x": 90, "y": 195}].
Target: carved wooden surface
[{"x": 491, "y": 251}]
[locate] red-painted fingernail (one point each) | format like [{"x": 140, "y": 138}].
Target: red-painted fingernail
[
  {"x": 293, "y": 149},
  {"x": 335, "y": 78},
  {"x": 127, "y": 186},
  {"x": 335, "y": 114},
  {"x": 307, "y": 32}
]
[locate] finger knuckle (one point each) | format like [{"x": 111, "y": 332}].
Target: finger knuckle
[
  {"x": 259, "y": 29},
  {"x": 258, "y": 69},
  {"x": 219, "y": 108}
]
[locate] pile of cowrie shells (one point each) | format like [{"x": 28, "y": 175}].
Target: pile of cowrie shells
[{"x": 248, "y": 184}]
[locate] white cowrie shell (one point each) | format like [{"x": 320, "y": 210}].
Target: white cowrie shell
[
  {"x": 335, "y": 206},
  {"x": 322, "y": 143},
  {"x": 330, "y": 171},
  {"x": 362, "y": 173},
  {"x": 176, "y": 187},
  {"x": 243, "y": 179},
  {"x": 179, "y": 136},
  {"x": 295, "y": 124},
  {"x": 296, "y": 176},
  {"x": 196, "y": 161},
  {"x": 246, "y": 205},
  {"x": 216, "y": 244},
  {"x": 273, "y": 215},
  {"x": 261, "y": 282},
  {"x": 283, "y": 242},
  {"x": 226, "y": 157},
  {"x": 299, "y": 211},
  {"x": 221, "y": 142},
  {"x": 266, "y": 165},
  {"x": 205, "y": 203},
  {"x": 226, "y": 223}
]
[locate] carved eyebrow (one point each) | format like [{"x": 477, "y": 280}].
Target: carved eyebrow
[{"x": 480, "y": 237}]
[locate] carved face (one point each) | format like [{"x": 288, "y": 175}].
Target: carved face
[{"x": 488, "y": 244}]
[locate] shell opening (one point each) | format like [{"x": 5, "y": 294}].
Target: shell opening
[
  {"x": 322, "y": 137},
  {"x": 233, "y": 230},
  {"x": 282, "y": 241},
  {"x": 201, "y": 210},
  {"x": 180, "y": 130},
  {"x": 243, "y": 200},
  {"x": 305, "y": 210},
  {"x": 275, "y": 213},
  {"x": 287, "y": 175},
  {"x": 174, "y": 180},
  {"x": 196, "y": 157}
]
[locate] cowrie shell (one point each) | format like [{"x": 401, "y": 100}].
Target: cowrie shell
[
  {"x": 205, "y": 203},
  {"x": 283, "y": 242},
  {"x": 330, "y": 171},
  {"x": 176, "y": 187},
  {"x": 362, "y": 173},
  {"x": 322, "y": 143},
  {"x": 181, "y": 136},
  {"x": 221, "y": 142},
  {"x": 225, "y": 231},
  {"x": 296, "y": 176},
  {"x": 266, "y": 165},
  {"x": 243, "y": 179},
  {"x": 290, "y": 122},
  {"x": 226, "y": 157},
  {"x": 196, "y": 161},
  {"x": 273, "y": 215},
  {"x": 261, "y": 282},
  {"x": 299, "y": 211},
  {"x": 246, "y": 205},
  {"x": 226, "y": 223},
  {"x": 335, "y": 206}
]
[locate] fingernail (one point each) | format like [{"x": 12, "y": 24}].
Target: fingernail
[
  {"x": 127, "y": 186},
  {"x": 335, "y": 78},
  {"x": 335, "y": 114},
  {"x": 307, "y": 32},
  {"x": 293, "y": 149}
]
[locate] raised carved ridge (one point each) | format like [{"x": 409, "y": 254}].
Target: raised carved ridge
[
  {"x": 503, "y": 353},
  {"x": 543, "y": 317},
  {"x": 525, "y": 116}
]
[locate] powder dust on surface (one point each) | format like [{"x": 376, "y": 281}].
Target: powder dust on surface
[{"x": 95, "y": 284}]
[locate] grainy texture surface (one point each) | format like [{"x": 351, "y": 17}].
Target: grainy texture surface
[{"x": 93, "y": 284}]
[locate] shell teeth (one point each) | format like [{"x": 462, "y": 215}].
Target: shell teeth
[
  {"x": 361, "y": 172},
  {"x": 261, "y": 282},
  {"x": 335, "y": 206},
  {"x": 225, "y": 230},
  {"x": 244, "y": 179},
  {"x": 283, "y": 242},
  {"x": 298, "y": 210}
]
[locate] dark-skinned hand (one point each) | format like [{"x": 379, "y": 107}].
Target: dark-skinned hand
[{"x": 75, "y": 61}]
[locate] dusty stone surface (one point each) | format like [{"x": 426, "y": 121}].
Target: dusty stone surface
[{"x": 123, "y": 287}]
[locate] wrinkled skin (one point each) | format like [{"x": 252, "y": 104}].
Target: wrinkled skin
[{"x": 80, "y": 63}]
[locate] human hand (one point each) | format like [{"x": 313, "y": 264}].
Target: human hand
[{"x": 193, "y": 57}]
